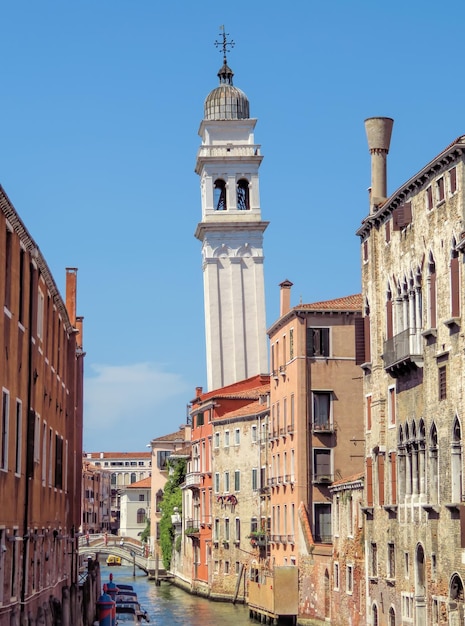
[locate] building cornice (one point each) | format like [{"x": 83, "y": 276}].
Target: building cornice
[{"x": 444, "y": 160}]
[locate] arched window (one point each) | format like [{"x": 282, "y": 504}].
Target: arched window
[
  {"x": 431, "y": 292},
  {"x": 219, "y": 195},
  {"x": 133, "y": 477},
  {"x": 456, "y": 461},
  {"x": 374, "y": 612},
  {"x": 420, "y": 572},
  {"x": 392, "y": 617},
  {"x": 243, "y": 195},
  {"x": 389, "y": 330},
  {"x": 140, "y": 516},
  {"x": 433, "y": 464},
  {"x": 454, "y": 281},
  {"x": 456, "y": 588}
]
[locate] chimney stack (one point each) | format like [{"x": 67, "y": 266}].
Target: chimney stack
[
  {"x": 71, "y": 289},
  {"x": 378, "y": 130},
  {"x": 285, "y": 297}
]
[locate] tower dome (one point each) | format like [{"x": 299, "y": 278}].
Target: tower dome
[{"x": 226, "y": 102}]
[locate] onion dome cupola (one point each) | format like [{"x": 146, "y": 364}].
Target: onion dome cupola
[{"x": 226, "y": 102}]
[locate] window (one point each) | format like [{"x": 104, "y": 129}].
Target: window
[
  {"x": 322, "y": 465},
  {"x": 336, "y": 576},
  {"x": 442, "y": 378},
  {"x": 374, "y": 559},
  {"x": 253, "y": 434},
  {"x": 392, "y": 405},
  {"x": 254, "y": 479},
  {"x": 454, "y": 281},
  {"x": 253, "y": 525},
  {"x": 387, "y": 231},
  {"x": 317, "y": 342},
  {"x": 219, "y": 195},
  {"x": 291, "y": 344},
  {"x": 453, "y": 180},
  {"x": 365, "y": 250},
  {"x": 321, "y": 410},
  {"x": 440, "y": 189},
  {"x": 226, "y": 438},
  {"x": 292, "y": 413},
  {"x": 18, "y": 437},
  {"x": 8, "y": 272},
  {"x": 4, "y": 430},
  {"x": 58, "y": 461},
  {"x": 226, "y": 529},
  {"x": 237, "y": 480},
  {"x": 140, "y": 516},
  {"x": 323, "y": 522},
  {"x": 429, "y": 198},
  {"x": 216, "y": 440},
  {"x": 226, "y": 567},
  {"x": 238, "y": 529},
  {"x": 141, "y": 497},
  {"x": 391, "y": 554},
  {"x": 243, "y": 195},
  {"x": 226, "y": 482},
  {"x": 40, "y": 315},
  {"x": 217, "y": 482},
  {"x": 133, "y": 478},
  {"x": 392, "y": 617},
  {"x": 431, "y": 280},
  {"x": 162, "y": 458},
  {"x": 200, "y": 419},
  {"x": 350, "y": 578},
  {"x": 237, "y": 436},
  {"x": 216, "y": 534}
]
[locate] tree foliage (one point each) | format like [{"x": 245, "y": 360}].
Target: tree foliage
[{"x": 172, "y": 497}]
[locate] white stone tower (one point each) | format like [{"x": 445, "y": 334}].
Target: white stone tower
[{"x": 231, "y": 232}]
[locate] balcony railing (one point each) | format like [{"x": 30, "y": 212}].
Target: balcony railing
[
  {"x": 323, "y": 427},
  {"x": 403, "y": 351},
  {"x": 323, "y": 478},
  {"x": 194, "y": 479}
]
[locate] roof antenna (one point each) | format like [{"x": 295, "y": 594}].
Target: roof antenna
[{"x": 224, "y": 44}]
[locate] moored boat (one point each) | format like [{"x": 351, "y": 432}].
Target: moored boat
[{"x": 113, "y": 560}]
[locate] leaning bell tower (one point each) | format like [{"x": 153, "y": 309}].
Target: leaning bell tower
[{"x": 231, "y": 233}]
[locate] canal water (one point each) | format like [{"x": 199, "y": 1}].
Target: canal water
[{"x": 168, "y": 605}]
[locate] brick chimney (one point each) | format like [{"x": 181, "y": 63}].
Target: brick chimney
[
  {"x": 285, "y": 297},
  {"x": 71, "y": 289},
  {"x": 378, "y": 130}
]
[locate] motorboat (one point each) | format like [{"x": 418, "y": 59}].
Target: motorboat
[{"x": 113, "y": 560}]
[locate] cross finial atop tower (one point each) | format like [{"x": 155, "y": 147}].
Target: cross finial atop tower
[{"x": 224, "y": 44}]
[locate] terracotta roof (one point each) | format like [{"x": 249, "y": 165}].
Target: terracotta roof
[
  {"x": 117, "y": 455},
  {"x": 235, "y": 389},
  {"x": 349, "y": 479},
  {"x": 145, "y": 483},
  {"x": 240, "y": 394},
  {"x": 248, "y": 409},
  {"x": 177, "y": 436},
  {"x": 347, "y": 303}
]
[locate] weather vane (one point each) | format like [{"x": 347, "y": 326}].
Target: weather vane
[{"x": 224, "y": 44}]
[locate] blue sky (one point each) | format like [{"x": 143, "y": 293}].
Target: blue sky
[{"x": 100, "y": 108}]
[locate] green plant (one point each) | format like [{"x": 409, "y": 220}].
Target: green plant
[
  {"x": 172, "y": 497},
  {"x": 191, "y": 530},
  {"x": 177, "y": 545}
]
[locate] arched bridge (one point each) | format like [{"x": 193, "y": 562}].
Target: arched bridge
[{"x": 130, "y": 550}]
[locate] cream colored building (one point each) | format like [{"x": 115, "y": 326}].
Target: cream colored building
[
  {"x": 135, "y": 508},
  {"x": 412, "y": 246}
]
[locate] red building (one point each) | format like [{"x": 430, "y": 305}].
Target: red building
[{"x": 41, "y": 377}]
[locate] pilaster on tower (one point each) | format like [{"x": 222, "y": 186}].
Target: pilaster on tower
[{"x": 231, "y": 232}]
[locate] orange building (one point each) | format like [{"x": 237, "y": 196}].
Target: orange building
[
  {"x": 41, "y": 378},
  {"x": 316, "y": 433},
  {"x": 220, "y": 497},
  {"x": 96, "y": 499}
]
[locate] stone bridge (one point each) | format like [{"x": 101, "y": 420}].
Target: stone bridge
[{"x": 131, "y": 550}]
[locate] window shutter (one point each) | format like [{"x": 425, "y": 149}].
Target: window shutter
[
  {"x": 310, "y": 342},
  {"x": 393, "y": 478},
  {"x": 402, "y": 216},
  {"x": 455, "y": 287},
  {"x": 387, "y": 227},
  {"x": 381, "y": 478},
  {"x": 359, "y": 341},
  {"x": 366, "y": 320},
  {"x": 325, "y": 341},
  {"x": 453, "y": 180},
  {"x": 369, "y": 472}
]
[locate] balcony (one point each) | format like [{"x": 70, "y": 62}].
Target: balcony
[
  {"x": 403, "y": 352},
  {"x": 194, "y": 479},
  {"x": 323, "y": 478},
  {"x": 323, "y": 427}
]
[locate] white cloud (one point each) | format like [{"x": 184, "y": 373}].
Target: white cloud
[{"x": 128, "y": 405}]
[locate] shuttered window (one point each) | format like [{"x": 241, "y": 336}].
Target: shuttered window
[
  {"x": 393, "y": 459},
  {"x": 317, "y": 341},
  {"x": 369, "y": 474},
  {"x": 453, "y": 180},
  {"x": 454, "y": 285},
  {"x": 402, "y": 216},
  {"x": 381, "y": 479}
]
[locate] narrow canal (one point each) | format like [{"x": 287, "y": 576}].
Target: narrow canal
[{"x": 167, "y": 604}]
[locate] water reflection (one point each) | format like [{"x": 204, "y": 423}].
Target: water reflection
[{"x": 168, "y": 604}]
